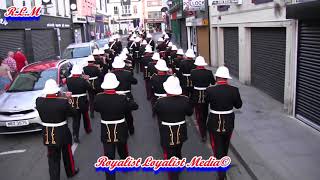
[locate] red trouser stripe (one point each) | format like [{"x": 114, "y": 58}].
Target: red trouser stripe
[
  {"x": 212, "y": 143},
  {"x": 71, "y": 159},
  {"x": 87, "y": 119},
  {"x": 165, "y": 154}
]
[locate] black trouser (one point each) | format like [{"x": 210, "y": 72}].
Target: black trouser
[
  {"x": 220, "y": 146},
  {"x": 170, "y": 152},
  {"x": 54, "y": 157},
  {"x": 91, "y": 101},
  {"x": 201, "y": 110},
  {"x": 110, "y": 152},
  {"x": 77, "y": 119}
]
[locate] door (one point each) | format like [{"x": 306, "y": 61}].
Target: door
[
  {"x": 231, "y": 50},
  {"x": 10, "y": 41},
  {"x": 44, "y": 44},
  {"x": 268, "y": 56},
  {"x": 308, "y": 71}
]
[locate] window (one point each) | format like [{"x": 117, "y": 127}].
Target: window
[
  {"x": 33, "y": 3},
  {"x": 154, "y": 15},
  {"x": 106, "y": 5},
  {"x": 23, "y": 3},
  {"x": 100, "y": 5},
  {"x": 261, "y": 1},
  {"x": 154, "y": 3},
  {"x": 135, "y": 9},
  {"x": 57, "y": 8},
  {"x": 115, "y": 10},
  {"x": 9, "y": 3},
  {"x": 126, "y": 9}
]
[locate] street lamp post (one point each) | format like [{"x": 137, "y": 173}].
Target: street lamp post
[{"x": 73, "y": 8}]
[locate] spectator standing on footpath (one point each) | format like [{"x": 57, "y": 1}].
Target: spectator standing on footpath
[
  {"x": 11, "y": 63},
  {"x": 5, "y": 75},
  {"x": 20, "y": 59}
]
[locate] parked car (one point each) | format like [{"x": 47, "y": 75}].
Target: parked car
[
  {"x": 102, "y": 42},
  {"x": 17, "y": 104},
  {"x": 76, "y": 53}
]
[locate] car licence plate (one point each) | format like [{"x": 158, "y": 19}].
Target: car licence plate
[{"x": 17, "y": 123}]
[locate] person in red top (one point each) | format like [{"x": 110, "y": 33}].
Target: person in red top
[{"x": 21, "y": 59}]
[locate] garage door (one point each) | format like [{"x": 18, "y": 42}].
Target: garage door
[
  {"x": 66, "y": 38},
  {"x": 44, "y": 45},
  {"x": 231, "y": 50},
  {"x": 268, "y": 54},
  {"x": 308, "y": 79},
  {"x": 10, "y": 41}
]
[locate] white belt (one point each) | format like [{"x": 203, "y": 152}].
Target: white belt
[
  {"x": 221, "y": 112},
  {"x": 78, "y": 95},
  {"x": 146, "y": 67},
  {"x": 54, "y": 124},
  {"x": 112, "y": 122},
  {"x": 160, "y": 95},
  {"x": 93, "y": 78},
  {"x": 187, "y": 75},
  {"x": 177, "y": 69},
  {"x": 123, "y": 92},
  {"x": 173, "y": 124},
  {"x": 200, "y": 88}
]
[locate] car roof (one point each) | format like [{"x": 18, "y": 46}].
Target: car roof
[
  {"x": 80, "y": 45},
  {"x": 42, "y": 65}
]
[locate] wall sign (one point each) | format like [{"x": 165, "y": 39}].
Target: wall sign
[
  {"x": 193, "y": 5},
  {"x": 224, "y": 2}
]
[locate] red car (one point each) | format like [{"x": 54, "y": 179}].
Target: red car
[{"x": 17, "y": 104}]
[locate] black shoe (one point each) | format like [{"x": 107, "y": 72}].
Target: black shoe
[
  {"x": 76, "y": 171},
  {"x": 204, "y": 139},
  {"x": 76, "y": 139},
  {"x": 131, "y": 131}
]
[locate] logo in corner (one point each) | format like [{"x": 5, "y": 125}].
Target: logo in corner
[{"x": 22, "y": 14}]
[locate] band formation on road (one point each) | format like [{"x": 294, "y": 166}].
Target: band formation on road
[{"x": 177, "y": 85}]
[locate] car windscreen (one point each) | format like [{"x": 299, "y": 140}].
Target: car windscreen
[
  {"x": 102, "y": 42},
  {"x": 32, "y": 81},
  {"x": 78, "y": 52}
]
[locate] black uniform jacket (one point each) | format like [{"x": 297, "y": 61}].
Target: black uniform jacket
[
  {"x": 55, "y": 110},
  {"x": 78, "y": 85},
  {"x": 113, "y": 107},
  {"x": 201, "y": 78},
  {"x": 125, "y": 78},
  {"x": 118, "y": 47},
  {"x": 151, "y": 43},
  {"x": 94, "y": 71},
  {"x": 162, "y": 47},
  {"x": 157, "y": 83},
  {"x": 185, "y": 68},
  {"x": 176, "y": 62},
  {"x": 151, "y": 69},
  {"x": 222, "y": 98},
  {"x": 173, "y": 109}
]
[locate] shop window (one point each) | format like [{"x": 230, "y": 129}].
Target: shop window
[
  {"x": 154, "y": 15},
  {"x": 261, "y": 1}
]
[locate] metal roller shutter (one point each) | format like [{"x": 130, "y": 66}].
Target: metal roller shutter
[
  {"x": 66, "y": 38},
  {"x": 231, "y": 50},
  {"x": 43, "y": 42},
  {"x": 308, "y": 79},
  {"x": 10, "y": 41},
  {"x": 268, "y": 55}
]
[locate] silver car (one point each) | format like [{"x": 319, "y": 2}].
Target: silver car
[
  {"x": 76, "y": 53},
  {"x": 17, "y": 104}
]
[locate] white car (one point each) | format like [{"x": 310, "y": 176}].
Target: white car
[{"x": 76, "y": 53}]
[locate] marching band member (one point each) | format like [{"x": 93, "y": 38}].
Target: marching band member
[
  {"x": 171, "y": 111},
  {"x": 201, "y": 79},
  {"x": 150, "y": 41},
  {"x": 176, "y": 61},
  {"x": 151, "y": 70},
  {"x": 184, "y": 72},
  {"x": 126, "y": 80},
  {"x": 222, "y": 98},
  {"x": 53, "y": 111},
  {"x": 95, "y": 80},
  {"x": 147, "y": 58},
  {"x": 79, "y": 88},
  {"x": 112, "y": 108}
]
